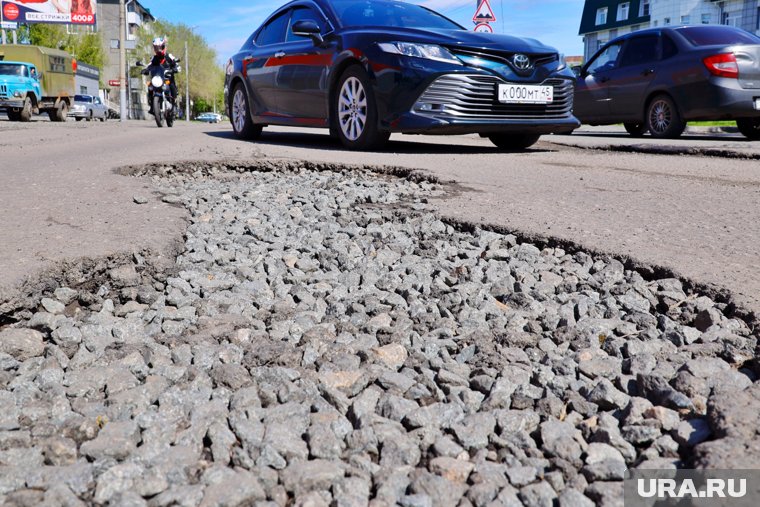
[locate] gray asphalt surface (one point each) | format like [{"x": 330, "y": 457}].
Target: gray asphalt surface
[{"x": 697, "y": 215}]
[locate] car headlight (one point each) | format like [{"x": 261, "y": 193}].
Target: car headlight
[
  {"x": 17, "y": 94},
  {"x": 413, "y": 49},
  {"x": 562, "y": 61}
]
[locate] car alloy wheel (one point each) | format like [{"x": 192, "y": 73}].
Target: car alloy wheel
[
  {"x": 749, "y": 127},
  {"x": 663, "y": 119},
  {"x": 352, "y": 108},
  {"x": 355, "y": 112},
  {"x": 241, "y": 121}
]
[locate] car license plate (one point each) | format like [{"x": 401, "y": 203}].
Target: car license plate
[{"x": 525, "y": 94}]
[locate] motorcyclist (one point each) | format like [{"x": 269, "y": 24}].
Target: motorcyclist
[{"x": 167, "y": 60}]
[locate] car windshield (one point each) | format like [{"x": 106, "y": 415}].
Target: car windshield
[
  {"x": 7, "y": 69},
  {"x": 82, "y": 98},
  {"x": 390, "y": 13},
  {"x": 717, "y": 35}
]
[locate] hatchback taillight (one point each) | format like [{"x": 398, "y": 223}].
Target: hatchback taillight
[{"x": 723, "y": 65}]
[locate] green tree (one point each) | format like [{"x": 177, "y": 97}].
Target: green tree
[{"x": 206, "y": 76}]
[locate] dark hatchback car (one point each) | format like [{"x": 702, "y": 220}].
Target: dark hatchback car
[
  {"x": 365, "y": 69},
  {"x": 658, "y": 79}
]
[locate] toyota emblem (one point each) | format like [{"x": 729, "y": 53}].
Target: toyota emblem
[{"x": 521, "y": 62}]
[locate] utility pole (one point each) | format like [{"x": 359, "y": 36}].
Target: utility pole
[
  {"x": 122, "y": 62},
  {"x": 187, "y": 85}
]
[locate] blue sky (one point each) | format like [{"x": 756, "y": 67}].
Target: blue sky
[{"x": 227, "y": 23}]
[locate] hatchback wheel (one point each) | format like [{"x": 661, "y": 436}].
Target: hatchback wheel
[
  {"x": 663, "y": 119},
  {"x": 750, "y": 128},
  {"x": 355, "y": 112},
  {"x": 514, "y": 142},
  {"x": 240, "y": 116},
  {"x": 635, "y": 129}
]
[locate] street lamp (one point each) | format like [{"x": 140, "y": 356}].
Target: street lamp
[{"x": 187, "y": 78}]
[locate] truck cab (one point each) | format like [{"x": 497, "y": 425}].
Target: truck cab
[{"x": 20, "y": 90}]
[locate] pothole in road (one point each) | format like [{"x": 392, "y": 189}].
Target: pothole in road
[{"x": 323, "y": 335}]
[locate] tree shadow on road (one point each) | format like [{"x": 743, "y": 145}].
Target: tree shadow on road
[{"x": 320, "y": 141}]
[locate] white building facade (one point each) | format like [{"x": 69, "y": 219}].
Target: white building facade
[{"x": 603, "y": 20}]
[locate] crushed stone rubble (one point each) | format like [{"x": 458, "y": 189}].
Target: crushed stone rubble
[{"x": 326, "y": 340}]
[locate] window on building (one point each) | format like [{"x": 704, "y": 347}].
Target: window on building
[
  {"x": 705, "y": 19},
  {"x": 622, "y": 13},
  {"x": 757, "y": 20},
  {"x": 725, "y": 18},
  {"x": 601, "y": 16},
  {"x": 644, "y": 8},
  {"x": 666, "y": 21},
  {"x": 685, "y": 20},
  {"x": 82, "y": 90}
]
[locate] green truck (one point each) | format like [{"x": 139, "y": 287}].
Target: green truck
[{"x": 35, "y": 79}]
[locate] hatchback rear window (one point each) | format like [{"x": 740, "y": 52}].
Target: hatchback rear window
[{"x": 717, "y": 35}]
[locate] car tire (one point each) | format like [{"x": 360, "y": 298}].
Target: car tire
[
  {"x": 79, "y": 118},
  {"x": 663, "y": 119},
  {"x": 240, "y": 115},
  {"x": 514, "y": 142},
  {"x": 750, "y": 128},
  {"x": 91, "y": 116},
  {"x": 354, "y": 110},
  {"x": 635, "y": 129},
  {"x": 25, "y": 114}
]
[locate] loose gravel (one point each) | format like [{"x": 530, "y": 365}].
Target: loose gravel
[{"x": 325, "y": 339}]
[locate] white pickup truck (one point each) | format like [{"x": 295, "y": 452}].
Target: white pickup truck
[{"x": 88, "y": 107}]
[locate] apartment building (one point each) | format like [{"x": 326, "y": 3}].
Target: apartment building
[
  {"x": 137, "y": 15},
  {"x": 603, "y": 20}
]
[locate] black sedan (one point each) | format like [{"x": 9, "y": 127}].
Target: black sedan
[
  {"x": 658, "y": 79},
  {"x": 367, "y": 68}
]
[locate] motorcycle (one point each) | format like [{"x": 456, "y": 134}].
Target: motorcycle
[{"x": 159, "y": 89}]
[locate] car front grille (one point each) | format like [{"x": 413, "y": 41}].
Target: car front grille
[
  {"x": 474, "y": 97},
  {"x": 3, "y": 92}
]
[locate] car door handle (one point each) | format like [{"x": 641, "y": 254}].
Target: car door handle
[
  {"x": 279, "y": 54},
  {"x": 648, "y": 72}
]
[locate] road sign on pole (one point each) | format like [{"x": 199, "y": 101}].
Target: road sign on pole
[
  {"x": 483, "y": 28},
  {"x": 484, "y": 14}
]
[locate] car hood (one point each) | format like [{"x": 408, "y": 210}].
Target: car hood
[{"x": 456, "y": 38}]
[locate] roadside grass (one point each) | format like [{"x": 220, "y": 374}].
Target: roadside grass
[{"x": 712, "y": 123}]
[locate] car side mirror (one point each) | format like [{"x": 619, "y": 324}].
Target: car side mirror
[
  {"x": 308, "y": 28},
  {"x": 577, "y": 70}
]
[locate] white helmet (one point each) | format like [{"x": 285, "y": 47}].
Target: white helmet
[{"x": 159, "y": 45}]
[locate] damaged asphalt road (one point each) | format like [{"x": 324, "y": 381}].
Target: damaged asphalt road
[
  {"x": 695, "y": 216},
  {"x": 323, "y": 338},
  {"x": 446, "y": 332}
]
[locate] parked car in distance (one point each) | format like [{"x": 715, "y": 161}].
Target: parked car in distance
[
  {"x": 209, "y": 117},
  {"x": 658, "y": 79},
  {"x": 367, "y": 69},
  {"x": 88, "y": 107}
]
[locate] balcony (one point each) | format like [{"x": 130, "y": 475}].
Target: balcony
[{"x": 134, "y": 18}]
